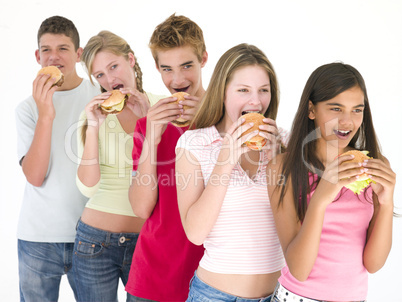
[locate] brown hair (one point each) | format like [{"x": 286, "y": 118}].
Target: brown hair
[
  {"x": 60, "y": 26},
  {"x": 212, "y": 108},
  {"x": 325, "y": 83},
  {"x": 177, "y": 31}
]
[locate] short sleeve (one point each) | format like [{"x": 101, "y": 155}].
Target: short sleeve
[
  {"x": 284, "y": 136},
  {"x": 26, "y": 116},
  {"x": 138, "y": 139}
]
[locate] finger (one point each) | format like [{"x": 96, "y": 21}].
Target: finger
[{"x": 270, "y": 121}]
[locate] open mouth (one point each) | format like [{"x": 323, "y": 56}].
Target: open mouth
[
  {"x": 181, "y": 89},
  {"x": 250, "y": 111},
  {"x": 118, "y": 86},
  {"x": 342, "y": 133}
]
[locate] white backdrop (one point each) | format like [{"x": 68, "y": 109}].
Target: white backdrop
[{"x": 297, "y": 36}]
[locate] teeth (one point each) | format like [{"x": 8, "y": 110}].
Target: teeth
[{"x": 343, "y": 132}]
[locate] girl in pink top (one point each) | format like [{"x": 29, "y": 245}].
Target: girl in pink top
[
  {"x": 221, "y": 184},
  {"x": 330, "y": 236}
]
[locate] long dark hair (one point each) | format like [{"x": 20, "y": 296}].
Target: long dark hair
[{"x": 325, "y": 83}]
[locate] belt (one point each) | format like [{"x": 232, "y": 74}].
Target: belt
[{"x": 287, "y": 296}]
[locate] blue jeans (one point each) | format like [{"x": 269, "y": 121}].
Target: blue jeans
[
  {"x": 100, "y": 259},
  {"x": 41, "y": 266},
  {"x": 202, "y": 292}
]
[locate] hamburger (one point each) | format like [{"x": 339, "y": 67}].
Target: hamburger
[
  {"x": 180, "y": 122},
  {"x": 363, "y": 180},
  {"x": 115, "y": 103},
  {"x": 256, "y": 142},
  {"x": 54, "y": 72}
]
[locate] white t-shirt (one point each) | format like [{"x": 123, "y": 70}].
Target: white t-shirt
[{"x": 49, "y": 213}]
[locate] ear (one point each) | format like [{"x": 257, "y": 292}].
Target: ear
[
  {"x": 37, "y": 56},
  {"x": 311, "y": 113},
  {"x": 131, "y": 59},
  {"x": 204, "y": 59},
  {"x": 79, "y": 54}
]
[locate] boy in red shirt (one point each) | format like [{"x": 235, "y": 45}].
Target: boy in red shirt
[{"x": 164, "y": 260}]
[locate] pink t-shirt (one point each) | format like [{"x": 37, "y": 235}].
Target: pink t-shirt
[
  {"x": 338, "y": 273},
  {"x": 164, "y": 259},
  {"x": 243, "y": 239}
]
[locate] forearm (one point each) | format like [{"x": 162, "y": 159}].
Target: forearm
[
  {"x": 379, "y": 239},
  {"x": 143, "y": 192},
  {"x": 36, "y": 162},
  {"x": 302, "y": 252},
  {"x": 89, "y": 170},
  {"x": 203, "y": 214}
]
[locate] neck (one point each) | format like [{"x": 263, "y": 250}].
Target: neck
[{"x": 70, "y": 82}]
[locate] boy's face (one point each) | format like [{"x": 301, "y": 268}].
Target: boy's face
[
  {"x": 181, "y": 70},
  {"x": 58, "y": 50}
]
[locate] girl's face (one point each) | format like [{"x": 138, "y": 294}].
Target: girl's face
[
  {"x": 114, "y": 72},
  {"x": 249, "y": 90},
  {"x": 338, "y": 118}
]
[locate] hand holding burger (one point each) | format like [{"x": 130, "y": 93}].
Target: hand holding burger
[
  {"x": 115, "y": 103},
  {"x": 180, "y": 122},
  {"x": 54, "y": 72},
  {"x": 363, "y": 180}
]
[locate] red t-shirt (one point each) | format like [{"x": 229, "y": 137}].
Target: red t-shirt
[{"x": 164, "y": 259}]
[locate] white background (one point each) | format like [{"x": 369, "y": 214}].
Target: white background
[{"x": 297, "y": 36}]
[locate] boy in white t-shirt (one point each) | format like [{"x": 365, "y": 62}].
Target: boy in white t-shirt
[{"x": 52, "y": 204}]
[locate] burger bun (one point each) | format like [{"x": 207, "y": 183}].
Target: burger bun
[
  {"x": 180, "y": 122},
  {"x": 54, "y": 72},
  {"x": 115, "y": 103},
  {"x": 256, "y": 142}
]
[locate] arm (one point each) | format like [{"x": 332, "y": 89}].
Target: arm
[
  {"x": 199, "y": 207},
  {"x": 36, "y": 161},
  {"x": 88, "y": 172},
  {"x": 300, "y": 242},
  {"x": 143, "y": 197},
  {"x": 379, "y": 235}
]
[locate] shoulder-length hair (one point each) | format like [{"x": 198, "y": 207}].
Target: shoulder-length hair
[
  {"x": 325, "y": 83},
  {"x": 212, "y": 108}
]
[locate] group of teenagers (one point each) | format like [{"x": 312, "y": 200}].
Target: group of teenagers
[{"x": 191, "y": 213}]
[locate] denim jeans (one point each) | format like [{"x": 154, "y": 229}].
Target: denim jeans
[
  {"x": 100, "y": 259},
  {"x": 41, "y": 266},
  {"x": 202, "y": 292}
]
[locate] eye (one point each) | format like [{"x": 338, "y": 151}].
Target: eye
[
  {"x": 166, "y": 69},
  {"x": 63, "y": 48},
  {"x": 187, "y": 66},
  {"x": 358, "y": 110},
  {"x": 336, "y": 109},
  {"x": 113, "y": 66},
  {"x": 99, "y": 75},
  {"x": 264, "y": 90}
]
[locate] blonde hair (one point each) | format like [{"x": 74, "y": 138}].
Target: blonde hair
[
  {"x": 108, "y": 41},
  {"x": 177, "y": 31},
  {"x": 212, "y": 108}
]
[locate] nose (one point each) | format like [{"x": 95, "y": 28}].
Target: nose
[
  {"x": 178, "y": 79},
  {"x": 254, "y": 99},
  {"x": 345, "y": 119},
  {"x": 53, "y": 56}
]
